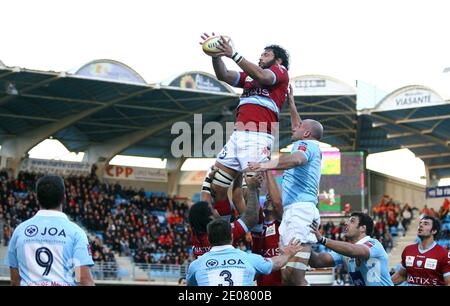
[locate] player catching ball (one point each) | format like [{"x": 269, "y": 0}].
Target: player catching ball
[{"x": 265, "y": 87}]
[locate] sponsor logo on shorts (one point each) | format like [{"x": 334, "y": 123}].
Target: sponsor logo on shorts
[{"x": 223, "y": 153}]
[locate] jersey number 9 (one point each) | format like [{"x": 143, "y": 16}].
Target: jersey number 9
[{"x": 45, "y": 262}]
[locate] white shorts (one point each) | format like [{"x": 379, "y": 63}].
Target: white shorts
[
  {"x": 296, "y": 222},
  {"x": 244, "y": 147}
]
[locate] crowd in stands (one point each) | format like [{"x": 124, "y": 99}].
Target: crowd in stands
[{"x": 150, "y": 227}]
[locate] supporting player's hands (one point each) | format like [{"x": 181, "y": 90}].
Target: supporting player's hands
[
  {"x": 315, "y": 230},
  {"x": 213, "y": 170},
  {"x": 292, "y": 248},
  {"x": 255, "y": 181},
  {"x": 254, "y": 166}
]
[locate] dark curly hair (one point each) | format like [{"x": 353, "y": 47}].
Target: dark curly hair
[
  {"x": 280, "y": 53},
  {"x": 199, "y": 217}
]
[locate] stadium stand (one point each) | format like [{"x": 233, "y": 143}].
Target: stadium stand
[{"x": 149, "y": 227}]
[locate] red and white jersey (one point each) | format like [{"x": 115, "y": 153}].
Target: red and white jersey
[
  {"x": 201, "y": 245},
  {"x": 266, "y": 244},
  {"x": 262, "y": 103},
  {"x": 426, "y": 267}
]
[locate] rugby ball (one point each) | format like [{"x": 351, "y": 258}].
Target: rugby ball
[{"x": 210, "y": 45}]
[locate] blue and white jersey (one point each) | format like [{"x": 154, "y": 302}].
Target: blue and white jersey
[
  {"x": 47, "y": 248},
  {"x": 227, "y": 266},
  {"x": 371, "y": 272},
  {"x": 301, "y": 184}
]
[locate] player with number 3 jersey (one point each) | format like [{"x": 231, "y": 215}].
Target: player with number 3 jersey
[{"x": 224, "y": 265}]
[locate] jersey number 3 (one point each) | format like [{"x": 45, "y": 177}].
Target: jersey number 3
[{"x": 227, "y": 278}]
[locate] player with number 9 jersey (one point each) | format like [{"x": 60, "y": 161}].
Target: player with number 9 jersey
[{"x": 48, "y": 249}]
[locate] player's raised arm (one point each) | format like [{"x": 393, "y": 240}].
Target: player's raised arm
[
  {"x": 263, "y": 76},
  {"x": 223, "y": 74},
  {"x": 285, "y": 162},
  {"x": 250, "y": 216},
  {"x": 286, "y": 253},
  {"x": 341, "y": 247},
  {"x": 275, "y": 195},
  {"x": 296, "y": 121},
  {"x": 238, "y": 195}
]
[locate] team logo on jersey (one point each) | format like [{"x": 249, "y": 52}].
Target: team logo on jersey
[
  {"x": 31, "y": 231},
  {"x": 369, "y": 244},
  {"x": 248, "y": 79},
  {"x": 419, "y": 263},
  {"x": 302, "y": 146},
  {"x": 212, "y": 263},
  {"x": 431, "y": 263},
  {"x": 409, "y": 261}
]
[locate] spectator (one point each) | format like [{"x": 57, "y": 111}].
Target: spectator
[
  {"x": 443, "y": 211},
  {"x": 182, "y": 281},
  {"x": 425, "y": 211}
]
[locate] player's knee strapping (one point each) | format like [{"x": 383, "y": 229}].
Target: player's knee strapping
[
  {"x": 297, "y": 265},
  {"x": 222, "y": 179},
  {"x": 206, "y": 186},
  {"x": 304, "y": 256}
]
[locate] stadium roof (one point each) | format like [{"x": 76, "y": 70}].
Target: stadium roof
[
  {"x": 106, "y": 108},
  {"x": 413, "y": 117}
]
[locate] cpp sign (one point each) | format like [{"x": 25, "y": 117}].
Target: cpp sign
[{"x": 119, "y": 171}]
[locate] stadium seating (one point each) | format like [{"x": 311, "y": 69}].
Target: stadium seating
[{"x": 121, "y": 219}]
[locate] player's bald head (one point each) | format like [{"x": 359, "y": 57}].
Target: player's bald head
[{"x": 315, "y": 127}]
